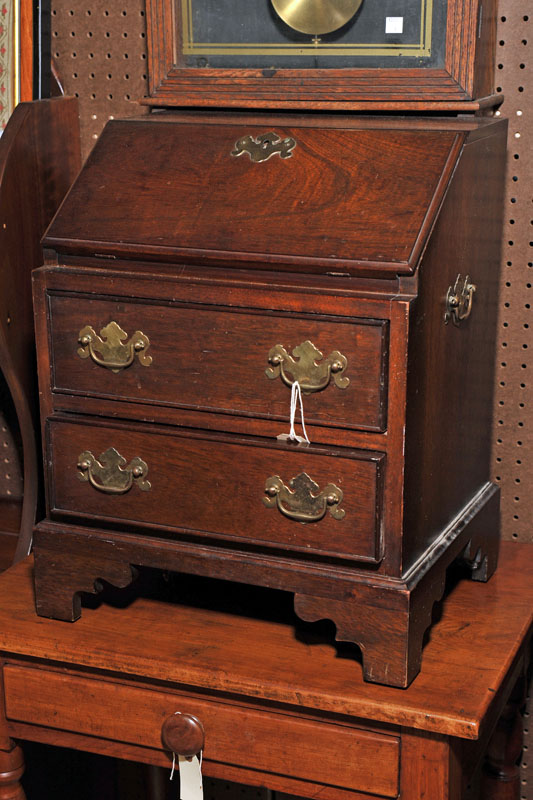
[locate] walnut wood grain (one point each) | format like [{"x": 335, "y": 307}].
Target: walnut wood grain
[
  {"x": 315, "y": 211},
  {"x": 215, "y": 487},
  {"x": 39, "y": 157},
  {"x": 449, "y": 408},
  {"x": 236, "y": 734},
  {"x": 71, "y": 559},
  {"x": 215, "y": 359}
]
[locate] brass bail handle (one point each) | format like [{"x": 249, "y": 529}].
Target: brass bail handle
[
  {"x": 302, "y": 499},
  {"x": 110, "y": 349},
  {"x": 308, "y": 366},
  {"x": 109, "y": 474}
]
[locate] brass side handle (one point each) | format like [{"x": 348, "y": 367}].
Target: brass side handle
[
  {"x": 459, "y": 299},
  {"x": 302, "y": 500},
  {"x": 309, "y": 367},
  {"x": 264, "y": 147},
  {"x": 109, "y": 474},
  {"x": 110, "y": 349}
]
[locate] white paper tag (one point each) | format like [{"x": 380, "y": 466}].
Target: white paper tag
[
  {"x": 190, "y": 778},
  {"x": 393, "y": 24}
]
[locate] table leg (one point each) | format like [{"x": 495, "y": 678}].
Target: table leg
[
  {"x": 11, "y": 759},
  {"x": 11, "y": 769},
  {"x": 430, "y": 768},
  {"x": 501, "y": 773}
]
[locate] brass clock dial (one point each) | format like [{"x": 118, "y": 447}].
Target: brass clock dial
[{"x": 316, "y": 17}]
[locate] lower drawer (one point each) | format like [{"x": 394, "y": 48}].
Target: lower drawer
[
  {"x": 246, "y": 491},
  {"x": 328, "y": 753}
]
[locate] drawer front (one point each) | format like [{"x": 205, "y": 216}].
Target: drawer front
[
  {"x": 333, "y": 754},
  {"x": 212, "y": 485},
  {"x": 217, "y": 360}
]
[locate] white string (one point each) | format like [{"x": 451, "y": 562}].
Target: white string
[{"x": 296, "y": 396}]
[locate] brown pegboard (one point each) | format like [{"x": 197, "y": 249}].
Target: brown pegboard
[
  {"x": 100, "y": 50},
  {"x": 10, "y": 448},
  {"x": 513, "y": 430}
]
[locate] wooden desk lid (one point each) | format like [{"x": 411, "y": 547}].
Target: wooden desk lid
[
  {"x": 337, "y": 197},
  {"x": 472, "y": 648}
]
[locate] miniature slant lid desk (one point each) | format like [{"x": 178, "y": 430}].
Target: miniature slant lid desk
[
  {"x": 208, "y": 266},
  {"x": 279, "y": 708}
]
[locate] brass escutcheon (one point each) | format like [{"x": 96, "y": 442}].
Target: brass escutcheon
[
  {"x": 110, "y": 474},
  {"x": 114, "y": 354},
  {"x": 264, "y": 147},
  {"x": 459, "y": 300},
  {"x": 309, "y": 367},
  {"x": 302, "y": 500}
]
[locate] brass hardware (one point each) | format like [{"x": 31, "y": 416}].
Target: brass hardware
[
  {"x": 264, "y": 146},
  {"x": 114, "y": 355},
  {"x": 109, "y": 474},
  {"x": 316, "y": 16},
  {"x": 303, "y": 501},
  {"x": 459, "y": 300},
  {"x": 312, "y": 376}
]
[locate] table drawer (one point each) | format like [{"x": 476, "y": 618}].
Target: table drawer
[
  {"x": 216, "y": 359},
  {"x": 331, "y": 753},
  {"x": 214, "y": 485}
]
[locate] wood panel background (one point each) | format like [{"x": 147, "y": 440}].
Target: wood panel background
[{"x": 100, "y": 49}]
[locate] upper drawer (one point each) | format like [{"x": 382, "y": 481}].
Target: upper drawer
[{"x": 216, "y": 359}]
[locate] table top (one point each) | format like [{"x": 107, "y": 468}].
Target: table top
[{"x": 479, "y": 632}]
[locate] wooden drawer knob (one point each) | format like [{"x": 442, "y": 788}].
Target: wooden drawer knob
[{"x": 183, "y": 734}]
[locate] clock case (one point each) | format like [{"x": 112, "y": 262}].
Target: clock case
[
  {"x": 463, "y": 82},
  {"x": 358, "y": 242}
]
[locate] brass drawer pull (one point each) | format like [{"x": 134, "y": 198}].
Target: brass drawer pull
[
  {"x": 459, "y": 299},
  {"x": 309, "y": 367},
  {"x": 109, "y": 474},
  {"x": 263, "y": 147},
  {"x": 303, "y": 501},
  {"x": 114, "y": 355}
]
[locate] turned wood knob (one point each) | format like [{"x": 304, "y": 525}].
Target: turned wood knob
[{"x": 183, "y": 734}]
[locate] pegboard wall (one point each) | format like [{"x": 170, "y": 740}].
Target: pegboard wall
[
  {"x": 100, "y": 50},
  {"x": 99, "y": 47},
  {"x": 513, "y": 413},
  {"x": 10, "y": 447}
]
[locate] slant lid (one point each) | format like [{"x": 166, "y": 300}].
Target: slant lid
[{"x": 340, "y": 200}]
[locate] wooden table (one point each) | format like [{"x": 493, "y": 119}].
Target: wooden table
[{"x": 281, "y": 706}]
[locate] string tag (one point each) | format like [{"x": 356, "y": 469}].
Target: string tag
[
  {"x": 190, "y": 772},
  {"x": 292, "y": 436}
]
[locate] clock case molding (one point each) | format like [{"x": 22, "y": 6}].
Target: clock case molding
[{"x": 464, "y": 84}]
